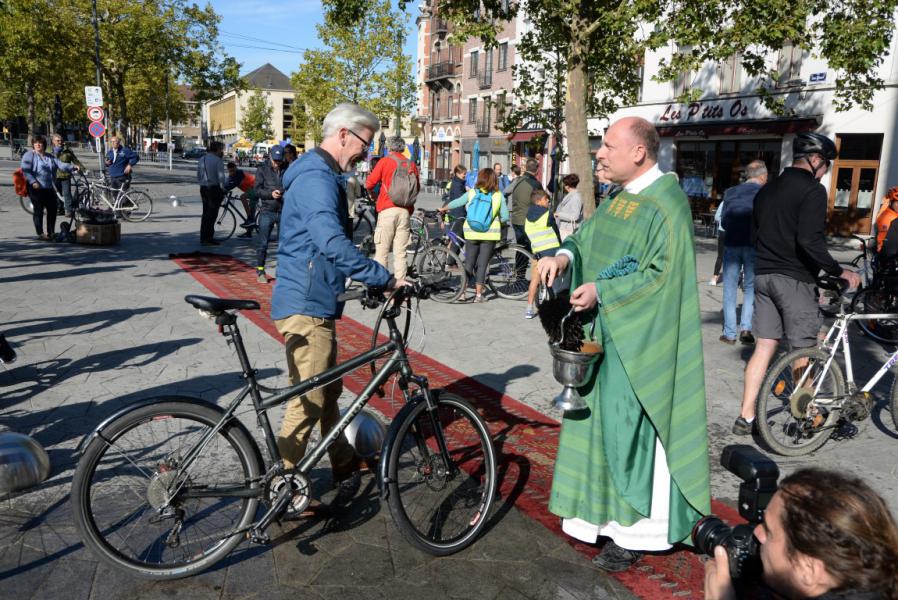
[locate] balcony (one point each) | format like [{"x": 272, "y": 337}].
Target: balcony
[
  {"x": 485, "y": 80},
  {"x": 440, "y": 70},
  {"x": 482, "y": 127},
  {"x": 440, "y": 25}
]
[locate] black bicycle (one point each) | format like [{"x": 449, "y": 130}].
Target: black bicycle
[{"x": 169, "y": 486}]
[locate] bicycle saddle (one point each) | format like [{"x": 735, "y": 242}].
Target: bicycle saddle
[{"x": 219, "y": 305}]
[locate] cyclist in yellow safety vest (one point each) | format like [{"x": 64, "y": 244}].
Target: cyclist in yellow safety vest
[
  {"x": 542, "y": 232},
  {"x": 479, "y": 245}
]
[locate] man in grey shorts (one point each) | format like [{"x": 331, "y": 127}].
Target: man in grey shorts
[{"x": 788, "y": 225}]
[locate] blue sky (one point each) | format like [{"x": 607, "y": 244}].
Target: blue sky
[{"x": 276, "y": 31}]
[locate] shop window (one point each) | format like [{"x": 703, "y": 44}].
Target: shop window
[
  {"x": 731, "y": 74},
  {"x": 503, "y": 56},
  {"x": 475, "y": 57},
  {"x": 788, "y": 65}
]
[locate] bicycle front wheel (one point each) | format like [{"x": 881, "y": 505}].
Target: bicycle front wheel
[
  {"x": 27, "y": 205},
  {"x": 445, "y": 270},
  {"x": 873, "y": 301},
  {"x": 798, "y": 405},
  {"x": 441, "y": 501},
  {"x": 224, "y": 225},
  {"x": 509, "y": 272},
  {"x": 140, "y": 509},
  {"x": 135, "y": 206}
]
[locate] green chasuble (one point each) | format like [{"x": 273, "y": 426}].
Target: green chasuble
[{"x": 651, "y": 380}]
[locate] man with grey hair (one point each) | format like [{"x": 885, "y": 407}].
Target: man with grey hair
[
  {"x": 520, "y": 200},
  {"x": 739, "y": 252},
  {"x": 400, "y": 183},
  {"x": 314, "y": 259}
]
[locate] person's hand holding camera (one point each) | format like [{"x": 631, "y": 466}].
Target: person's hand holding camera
[{"x": 718, "y": 584}]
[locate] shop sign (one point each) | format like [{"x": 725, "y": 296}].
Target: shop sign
[
  {"x": 705, "y": 111},
  {"x": 442, "y": 135},
  {"x": 817, "y": 77}
]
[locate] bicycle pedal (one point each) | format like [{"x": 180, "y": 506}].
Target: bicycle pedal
[{"x": 259, "y": 537}]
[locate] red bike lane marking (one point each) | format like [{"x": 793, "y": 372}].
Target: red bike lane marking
[{"x": 525, "y": 439}]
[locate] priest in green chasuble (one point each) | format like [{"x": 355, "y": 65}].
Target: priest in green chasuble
[{"x": 633, "y": 467}]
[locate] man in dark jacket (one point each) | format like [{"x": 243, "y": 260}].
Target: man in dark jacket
[
  {"x": 314, "y": 259},
  {"x": 120, "y": 161},
  {"x": 739, "y": 253},
  {"x": 270, "y": 191},
  {"x": 520, "y": 200},
  {"x": 64, "y": 180},
  {"x": 790, "y": 250}
]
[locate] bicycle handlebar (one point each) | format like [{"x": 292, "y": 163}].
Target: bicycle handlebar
[
  {"x": 372, "y": 297},
  {"x": 835, "y": 284}
]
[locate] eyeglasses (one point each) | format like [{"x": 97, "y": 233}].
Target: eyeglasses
[{"x": 359, "y": 138}]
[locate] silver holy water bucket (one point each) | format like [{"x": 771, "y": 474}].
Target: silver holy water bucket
[
  {"x": 23, "y": 462},
  {"x": 365, "y": 433},
  {"x": 573, "y": 369}
]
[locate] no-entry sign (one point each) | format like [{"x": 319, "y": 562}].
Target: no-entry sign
[
  {"x": 96, "y": 129},
  {"x": 95, "y": 113}
]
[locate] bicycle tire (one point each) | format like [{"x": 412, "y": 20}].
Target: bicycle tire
[
  {"x": 445, "y": 270},
  {"x": 378, "y": 337},
  {"x": 509, "y": 272},
  {"x": 777, "y": 395},
  {"x": 419, "y": 237},
  {"x": 134, "y": 206},
  {"x": 362, "y": 228},
  {"x": 872, "y": 301},
  {"x": 27, "y": 204},
  {"x": 225, "y": 224},
  {"x": 231, "y": 454},
  {"x": 893, "y": 402},
  {"x": 423, "y": 492}
]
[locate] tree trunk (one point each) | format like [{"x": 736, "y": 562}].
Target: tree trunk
[
  {"x": 31, "y": 112},
  {"x": 51, "y": 127},
  {"x": 577, "y": 133}
]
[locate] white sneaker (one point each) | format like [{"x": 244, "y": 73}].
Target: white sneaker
[{"x": 531, "y": 312}]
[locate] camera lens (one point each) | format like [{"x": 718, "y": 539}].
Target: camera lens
[{"x": 709, "y": 532}]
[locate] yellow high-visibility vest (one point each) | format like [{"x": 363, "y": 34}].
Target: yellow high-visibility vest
[{"x": 541, "y": 235}]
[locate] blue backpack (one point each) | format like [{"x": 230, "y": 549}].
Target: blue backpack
[{"x": 480, "y": 212}]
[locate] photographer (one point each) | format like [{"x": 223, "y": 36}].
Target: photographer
[{"x": 824, "y": 535}]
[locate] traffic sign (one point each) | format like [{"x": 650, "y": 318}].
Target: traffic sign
[
  {"x": 96, "y": 129},
  {"x": 93, "y": 95},
  {"x": 95, "y": 113}
]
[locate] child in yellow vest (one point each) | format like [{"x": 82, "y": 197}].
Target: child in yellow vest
[{"x": 542, "y": 232}]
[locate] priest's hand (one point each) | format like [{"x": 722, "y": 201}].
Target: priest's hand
[
  {"x": 551, "y": 267},
  {"x": 718, "y": 584},
  {"x": 584, "y": 297}
]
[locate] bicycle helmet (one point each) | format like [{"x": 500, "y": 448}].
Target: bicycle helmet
[{"x": 808, "y": 143}]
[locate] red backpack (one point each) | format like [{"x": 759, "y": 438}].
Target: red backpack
[{"x": 19, "y": 182}]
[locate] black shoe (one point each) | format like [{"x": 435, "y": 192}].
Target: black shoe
[
  {"x": 727, "y": 340},
  {"x": 743, "y": 427},
  {"x": 346, "y": 490},
  {"x": 746, "y": 338},
  {"x": 614, "y": 559}
]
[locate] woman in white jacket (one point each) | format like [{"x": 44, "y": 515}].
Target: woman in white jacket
[{"x": 569, "y": 213}]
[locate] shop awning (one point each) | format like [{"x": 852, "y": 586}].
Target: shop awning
[
  {"x": 764, "y": 126},
  {"x": 525, "y": 136}
]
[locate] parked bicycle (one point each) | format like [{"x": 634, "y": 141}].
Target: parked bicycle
[
  {"x": 805, "y": 397},
  {"x": 508, "y": 272},
  {"x": 130, "y": 204},
  {"x": 169, "y": 486},
  {"x": 229, "y": 215}
]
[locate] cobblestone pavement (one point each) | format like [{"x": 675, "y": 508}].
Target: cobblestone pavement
[{"x": 98, "y": 327}]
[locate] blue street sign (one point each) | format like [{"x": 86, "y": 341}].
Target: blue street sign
[{"x": 96, "y": 129}]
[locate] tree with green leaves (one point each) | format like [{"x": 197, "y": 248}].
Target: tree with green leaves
[
  {"x": 255, "y": 124},
  {"x": 361, "y": 62},
  {"x": 590, "y": 51}
]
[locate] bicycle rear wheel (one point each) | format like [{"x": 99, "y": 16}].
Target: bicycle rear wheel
[
  {"x": 509, "y": 272},
  {"x": 893, "y": 402},
  {"x": 225, "y": 224},
  {"x": 441, "y": 508},
  {"x": 445, "y": 270},
  {"x": 123, "y": 483},
  {"x": 362, "y": 229},
  {"x": 873, "y": 301},
  {"x": 795, "y": 420},
  {"x": 135, "y": 206}
]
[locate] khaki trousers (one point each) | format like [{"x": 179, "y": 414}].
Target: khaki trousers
[
  {"x": 392, "y": 232},
  {"x": 312, "y": 349}
]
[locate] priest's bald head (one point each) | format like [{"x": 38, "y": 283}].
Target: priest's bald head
[{"x": 629, "y": 149}]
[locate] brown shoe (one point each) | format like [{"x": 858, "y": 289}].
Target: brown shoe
[{"x": 727, "y": 340}]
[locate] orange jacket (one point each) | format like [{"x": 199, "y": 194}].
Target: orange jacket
[{"x": 885, "y": 218}]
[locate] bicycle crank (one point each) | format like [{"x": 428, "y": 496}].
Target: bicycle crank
[
  {"x": 300, "y": 490},
  {"x": 858, "y": 407}
]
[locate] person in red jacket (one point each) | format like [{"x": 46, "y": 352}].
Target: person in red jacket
[{"x": 392, "y": 230}]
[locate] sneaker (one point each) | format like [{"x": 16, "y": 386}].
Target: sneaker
[
  {"x": 743, "y": 427},
  {"x": 261, "y": 277},
  {"x": 347, "y": 489},
  {"x": 727, "y": 340},
  {"x": 614, "y": 559},
  {"x": 713, "y": 281},
  {"x": 531, "y": 312},
  {"x": 746, "y": 338},
  {"x": 479, "y": 298},
  {"x": 248, "y": 224}
]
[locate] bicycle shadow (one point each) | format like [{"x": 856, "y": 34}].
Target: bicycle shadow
[{"x": 98, "y": 321}]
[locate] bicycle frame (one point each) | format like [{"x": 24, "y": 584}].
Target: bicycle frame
[{"x": 838, "y": 336}]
